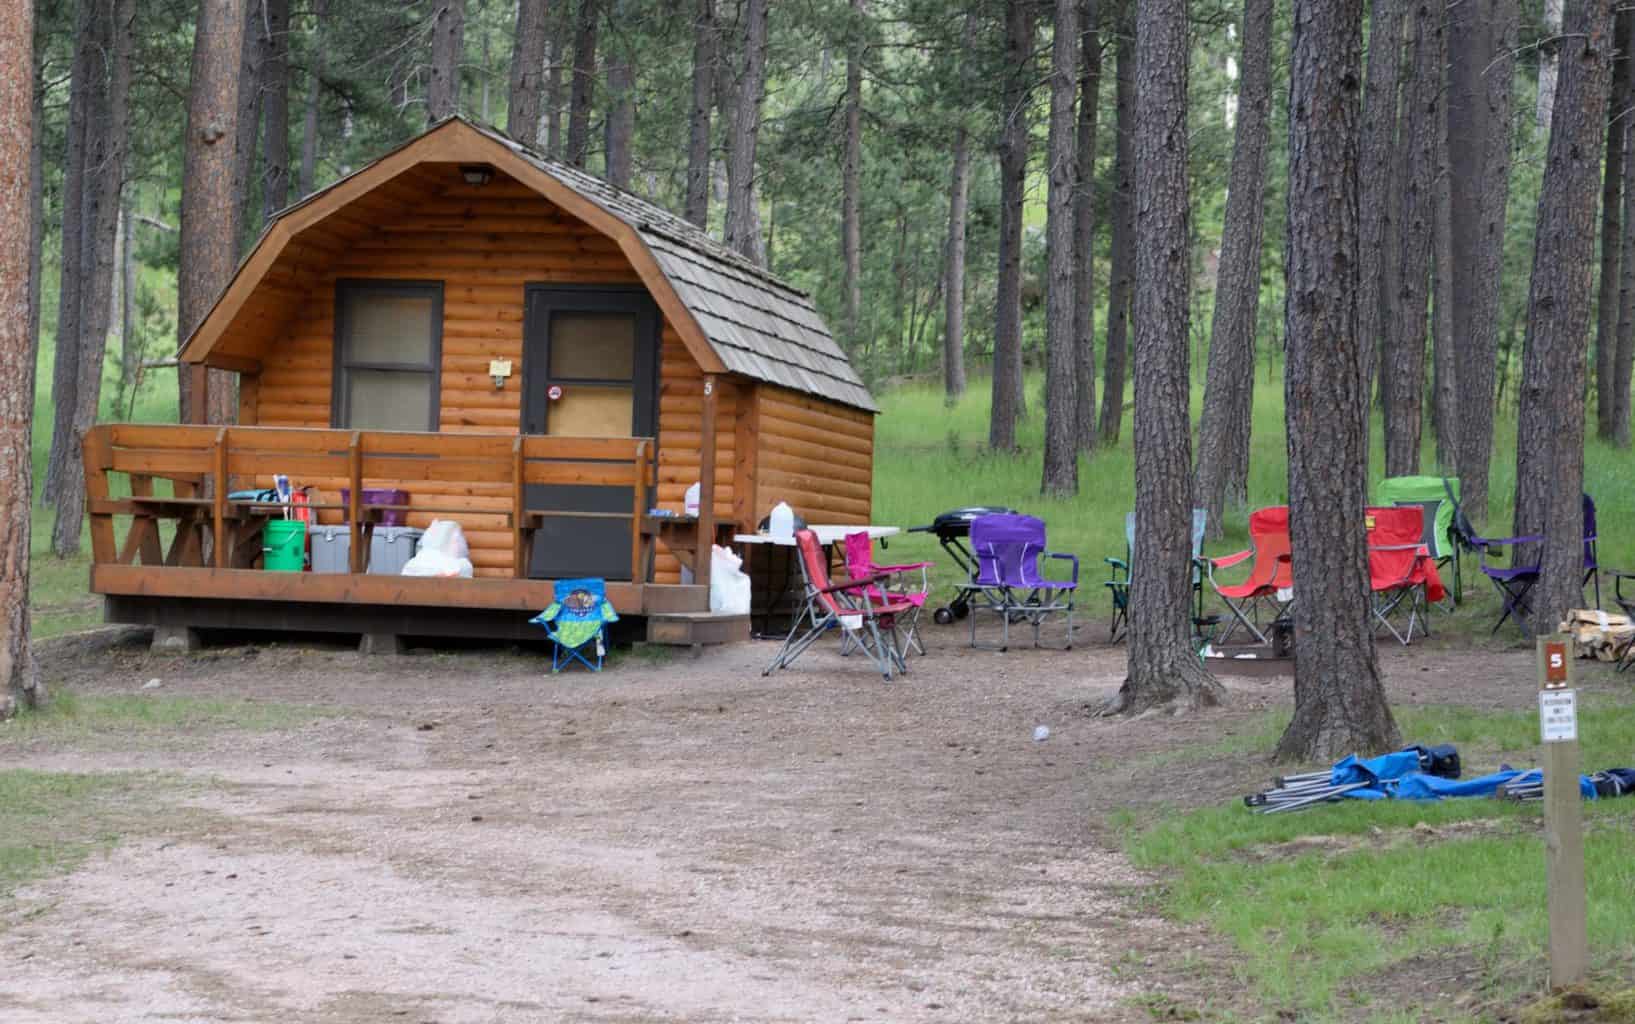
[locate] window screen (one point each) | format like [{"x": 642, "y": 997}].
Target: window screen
[{"x": 388, "y": 340}]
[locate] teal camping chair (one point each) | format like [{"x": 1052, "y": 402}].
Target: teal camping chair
[
  {"x": 576, "y": 621},
  {"x": 1437, "y": 497},
  {"x": 1119, "y": 585}
]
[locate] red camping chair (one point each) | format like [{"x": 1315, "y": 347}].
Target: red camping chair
[
  {"x": 872, "y": 625},
  {"x": 1400, "y": 568},
  {"x": 1269, "y": 588},
  {"x": 900, "y": 585}
]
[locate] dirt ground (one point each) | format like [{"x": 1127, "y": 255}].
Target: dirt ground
[{"x": 470, "y": 839}]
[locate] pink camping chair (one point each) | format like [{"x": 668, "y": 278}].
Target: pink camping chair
[{"x": 898, "y": 588}]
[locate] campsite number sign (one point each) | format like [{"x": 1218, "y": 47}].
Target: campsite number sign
[
  {"x": 1563, "y": 810},
  {"x": 1558, "y": 716}
]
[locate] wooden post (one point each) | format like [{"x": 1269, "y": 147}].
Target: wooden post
[
  {"x": 519, "y": 509},
  {"x": 218, "y": 503},
  {"x": 638, "y": 514},
  {"x": 1563, "y": 811},
  {"x": 354, "y": 502},
  {"x": 198, "y": 410},
  {"x": 706, "y": 484}
]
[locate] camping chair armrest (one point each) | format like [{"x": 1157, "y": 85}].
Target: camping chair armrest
[
  {"x": 1537, "y": 538},
  {"x": 1619, "y": 574},
  {"x": 1227, "y": 561},
  {"x": 1071, "y": 558},
  {"x": 1117, "y": 567},
  {"x": 1117, "y": 563},
  {"x": 857, "y": 584}
]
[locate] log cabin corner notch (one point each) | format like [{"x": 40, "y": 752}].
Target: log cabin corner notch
[{"x": 792, "y": 421}]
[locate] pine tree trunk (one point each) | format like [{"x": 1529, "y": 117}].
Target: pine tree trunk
[
  {"x": 581, "y": 92},
  {"x": 19, "y": 676},
  {"x": 275, "y": 110},
  {"x": 1084, "y": 229},
  {"x": 207, "y": 253},
  {"x": 527, "y": 74},
  {"x": 553, "y": 102},
  {"x": 619, "y": 127},
  {"x": 1625, "y": 357},
  {"x": 1446, "y": 384},
  {"x": 1549, "y": 63},
  {"x": 1229, "y": 388},
  {"x": 1379, "y": 129},
  {"x": 447, "y": 47},
  {"x": 1406, "y": 371},
  {"x": 106, "y": 146},
  {"x": 1164, "y": 668},
  {"x": 309, "y": 120},
  {"x": 247, "y": 123},
  {"x": 1120, "y": 275},
  {"x": 1550, "y": 470},
  {"x": 1479, "y": 143},
  {"x": 1013, "y": 163},
  {"x": 70, "y": 302},
  {"x": 1339, "y": 702},
  {"x": 742, "y": 229},
  {"x": 851, "y": 183},
  {"x": 36, "y": 213},
  {"x": 1612, "y": 181},
  {"x": 953, "y": 339},
  {"x": 130, "y": 353},
  {"x": 705, "y": 45},
  {"x": 1061, "y": 463}
]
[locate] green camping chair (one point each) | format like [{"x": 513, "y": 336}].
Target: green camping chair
[
  {"x": 1118, "y": 586},
  {"x": 1431, "y": 494}
]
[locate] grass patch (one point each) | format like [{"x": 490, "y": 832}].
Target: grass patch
[
  {"x": 51, "y": 821},
  {"x": 70, "y": 715},
  {"x": 1323, "y": 902}
]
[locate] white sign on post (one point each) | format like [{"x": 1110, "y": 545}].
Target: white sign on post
[{"x": 1558, "y": 716}]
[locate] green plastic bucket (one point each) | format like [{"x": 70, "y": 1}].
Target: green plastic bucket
[{"x": 284, "y": 545}]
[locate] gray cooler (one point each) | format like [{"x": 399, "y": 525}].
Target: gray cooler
[
  {"x": 331, "y": 548},
  {"x": 390, "y": 549}
]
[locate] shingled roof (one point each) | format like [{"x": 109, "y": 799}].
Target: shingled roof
[{"x": 755, "y": 324}]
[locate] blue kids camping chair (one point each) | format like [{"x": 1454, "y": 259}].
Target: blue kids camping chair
[{"x": 576, "y": 621}]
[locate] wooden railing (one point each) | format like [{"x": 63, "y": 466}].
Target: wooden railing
[{"x": 204, "y": 465}]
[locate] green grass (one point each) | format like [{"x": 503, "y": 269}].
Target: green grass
[
  {"x": 51, "y": 821},
  {"x": 1319, "y": 923},
  {"x": 69, "y": 715}
]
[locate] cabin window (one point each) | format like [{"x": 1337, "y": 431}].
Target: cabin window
[{"x": 388, "y": 348}]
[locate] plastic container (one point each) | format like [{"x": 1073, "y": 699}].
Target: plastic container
[
  {"x": 689, "y": 502},
  {"x": 781, "y": 523},
  {"x": 390, "y": 548},
  {"x": 331, "y": 548},
  {"x": 284, "y": 545},
  {"x": 382, "y": 496}
]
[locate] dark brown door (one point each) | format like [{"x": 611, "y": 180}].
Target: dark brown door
[{"x": 589, "y": 369}]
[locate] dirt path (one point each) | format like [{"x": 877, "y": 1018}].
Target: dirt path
[{"x": 472, "y": 840}]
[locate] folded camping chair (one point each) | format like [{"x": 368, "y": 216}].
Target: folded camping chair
[
  {"x": 1269, "y": 588},
  {"x": 1401, "y": 572},
  {"x": 1626, "y": 654},
  {"x": 899, "y": 586},
  {"x": 1436, "y": 496},
  {"x": 1009, "y": 580},
  {"x": 1119, "y": 583},
  {"x": 827, "y": 605},
  {"x": 1515, "y": 582},
  {"x": 576, "y": 621}
]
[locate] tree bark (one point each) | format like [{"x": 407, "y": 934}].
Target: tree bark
[
  {"x": 1229, "y": 388},
  {"x": 527, "y": 74},
  {"x": 1119, "y": 280},
  {"x": 1061, "y": 462},
  {"x": 19, "y": 675},
  {"x": 1164, "y": 668},
  {"x": 1339, "y": 702},
  {"x": 309, "y": 121},
  {"x": 1479, "y": 143},
  {"x": 106, "y": 146},
  {"x": 953, "y": 340},
  {"x": 247, "y": 122},
  {"x": 583, "y": 87},
  {"x": 619, "y": 128},
  {"x": 552, "y": 131},
  {"x": 1013, "y": 164},
  {"x": 705, "y": 59},
  {"x": 1084, "y": 229},
  {"x": 1625, "y": 357},
  {"x": 275, "y": 110},
  {"x": 448, "y": 33},
  {"x": 1549, "y": 63},
  {"x": 1612, "y": 189},
  {"x": 743, "y": 222},
  {"x": 1379, "y": 129},
  {"x": 130, "y": 351},
  {"x": 1445, "y": 403},
  {"x": 1550, "y": 468},
  {"x": 851, "y": 181},
  {"x": 206, "y": 244},
  {"x": 36, "y": 214},
  {"x": 1406, "y": 371}
]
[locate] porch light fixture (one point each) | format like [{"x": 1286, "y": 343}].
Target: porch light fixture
[{"x": 477, "y": 174}]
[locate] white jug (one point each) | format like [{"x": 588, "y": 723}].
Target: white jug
[
  {"x": 782, "y": 521},
  {"x": 689, "y": 503}
]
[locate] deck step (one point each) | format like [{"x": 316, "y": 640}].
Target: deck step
[
  {"x": 685, "y": 629},
  {"x": 668, "y": 598}
]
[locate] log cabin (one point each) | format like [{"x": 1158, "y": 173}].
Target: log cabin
[{"x": 517, "y": 346}]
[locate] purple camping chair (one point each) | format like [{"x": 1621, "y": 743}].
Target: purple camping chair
[
  {"x": 1010, "y": 581},
  {"x": 1515, "y": 582},
  {"x": 898, "y": 587}
]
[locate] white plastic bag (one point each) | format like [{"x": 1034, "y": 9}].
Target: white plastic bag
[
  {"x": 443, "y": 551},
  {"x": 729, "y": 584}
]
